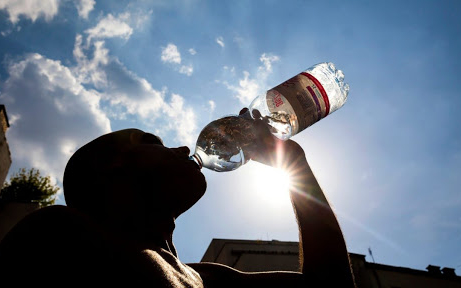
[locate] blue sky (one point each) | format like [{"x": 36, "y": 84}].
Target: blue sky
[{"x": 389, "y": 160}]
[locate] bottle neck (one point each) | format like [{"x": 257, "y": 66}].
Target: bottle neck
[{"x": 196, "y": 158}]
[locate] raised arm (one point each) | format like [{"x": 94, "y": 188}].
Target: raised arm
[{"x": 323, "y": 254}]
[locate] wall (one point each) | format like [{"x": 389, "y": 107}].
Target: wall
[
  {"x": 5, "y": 156},
  {"x": 255, "y": 255}
]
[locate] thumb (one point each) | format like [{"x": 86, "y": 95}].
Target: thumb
[{"x": 243, "y": 111}]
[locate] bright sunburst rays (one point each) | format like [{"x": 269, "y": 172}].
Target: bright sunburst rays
[{"x": 272, "y": 184}]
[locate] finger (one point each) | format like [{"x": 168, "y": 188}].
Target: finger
[
  {"x": 243, "y": 111},
  {"x": 256, "y": 114}
]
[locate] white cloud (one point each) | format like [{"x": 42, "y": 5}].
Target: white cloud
[
  {"x": 267, "y": 61},
  {"x": 68, "y": 147},
  {"x": 31, "y": 9},
  {"x": 140, "y": 17},
  {"x": 110, "y": 27},
  {"x": 247, "y": 88},
  {"x": 250, "y": 87},
  {"x": 192, "y": 51},
  {"x": 183, "y": 119},
  {"x": 119, "y": 26},
  {"x": 170, "y": 54},
  {"x": 129, "y": 94},
  {"x": 220, "y": 41},
  {"x": 84, "y": 7},
  {"x": 88, "y": 70},
  {"x": 212, "y": 105},
  {"x": 6, "y": 32},
  {"x": 53, "y": 110},
  {"x": 13, "y": 118},
  {"x": 231, "y": 70},
  {"x": 186, "y": 69},
  {"x": 135, "y": 96}
]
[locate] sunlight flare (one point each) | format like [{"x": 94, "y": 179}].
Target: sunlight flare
[{"x": 272, "y": 184}]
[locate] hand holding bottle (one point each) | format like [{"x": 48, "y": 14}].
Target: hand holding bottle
[{"x": 267, "y": 148}]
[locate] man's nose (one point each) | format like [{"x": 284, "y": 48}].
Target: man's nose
[{"x": 182, "y": 151}]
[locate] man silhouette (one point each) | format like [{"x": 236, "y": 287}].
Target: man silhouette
[{"x": 124, "y": 191}]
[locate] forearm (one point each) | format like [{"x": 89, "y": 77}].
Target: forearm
[{"x": 323, "y": 251}]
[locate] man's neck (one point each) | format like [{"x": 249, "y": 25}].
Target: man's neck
[{"x": 159, "y": 234}]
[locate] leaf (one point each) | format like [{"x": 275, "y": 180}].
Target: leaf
[{"x": 28, "y": 186}]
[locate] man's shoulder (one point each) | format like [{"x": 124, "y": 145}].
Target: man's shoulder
[
  {"x": 57, "y": 240},
  {"x": 219, "y": 275},
  {"x": 162, "y": 267},
  {"x": 59, "y": 224}
]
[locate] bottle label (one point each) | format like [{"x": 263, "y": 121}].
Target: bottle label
[{"x": 307, "y": 98}]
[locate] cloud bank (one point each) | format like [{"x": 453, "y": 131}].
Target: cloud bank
[
  {"x": 31, "y": 9},
  {"x": 55, "y": 108},
  {"x": 53, "y": 113},
  {"x": 48, "y": 9}
]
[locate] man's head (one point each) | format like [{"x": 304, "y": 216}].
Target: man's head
[{"x": 130, "y": 172}]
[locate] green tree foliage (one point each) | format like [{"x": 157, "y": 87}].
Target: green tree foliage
[{"x": 28, "y": 186}]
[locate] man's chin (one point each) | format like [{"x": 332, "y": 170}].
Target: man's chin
[{"x": 192, "y": 195}]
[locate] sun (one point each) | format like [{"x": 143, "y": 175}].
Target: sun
[{"x": 271, "y": 184}]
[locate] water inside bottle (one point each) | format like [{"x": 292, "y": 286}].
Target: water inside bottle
[
  {"x": 221, "y": 144},
  {"x": 212, "y": 160},
  {"x": 280, "y": 125},
  {"x": 281, "y": 119}
]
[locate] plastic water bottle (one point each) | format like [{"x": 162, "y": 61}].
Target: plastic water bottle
[{"x": 289, "y": 108}]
